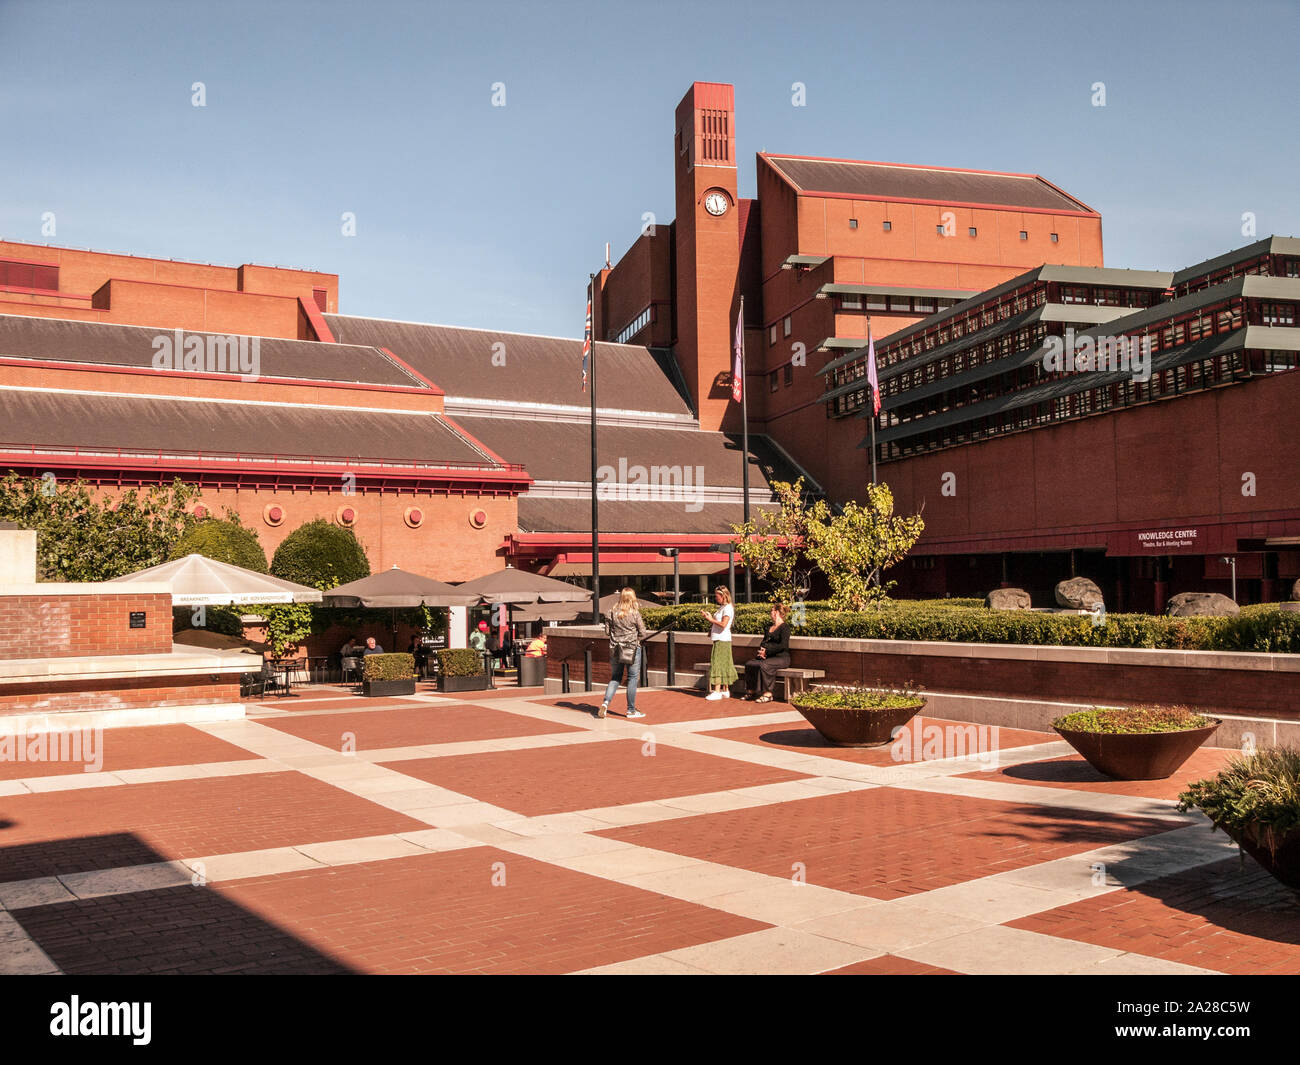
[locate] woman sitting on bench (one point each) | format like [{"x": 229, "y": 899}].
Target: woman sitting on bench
[{"x": 773, "y": 654}]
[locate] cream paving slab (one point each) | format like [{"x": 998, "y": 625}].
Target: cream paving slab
[
  {"x": 362, "y": 849},
  {"x": 1140, "y": 965},
  {"x": 419, "y": 798},
  {"x": 786, "y": 791},
  {"x": 716, "y": 801},
  {"x": 988, "y": 900},
  {"x": 838, "y": 784},
  {"x": 260, "y": 739},
  {"x": 369, "y": 787},
  {"x": 551, "y": 824},
  {"x": 623, "y": 864},
  {"x": 72, "y": 782},
  {"x": 201, "y": 771},
  {"x": 19, "y": 954},
  {"x": 718, "y": 724},
  {"x": 988, "y": 762},
  {"x": 998, "y": 950},
  {"x": 884, "y": 928},
  {"x": 438, "y": 839},
  {"x": 128, "y": 879},
  {"x": 782, "y": 902},
  {"x": 548, "y": 848},
  {"x": 650, "y": 965},
  {"x": 490, "y": 835},
  {"x": 696, "y": 882},
  {"x": 772, "y": 951},
  {"x": 318, "y": 759},
  {"x": 244, "y": 864},
  {"x": 1062, "y": 798},
  {"x": 457, "y": 814},
  {"x": 13, "y": 787},
  {"x": 636, "y": 813},
  {"x": 41, "y": 891}
]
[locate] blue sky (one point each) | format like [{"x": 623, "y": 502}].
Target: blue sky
[{"x": 469, "y": 214}]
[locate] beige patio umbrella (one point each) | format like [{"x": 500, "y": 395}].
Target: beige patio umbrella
[{"x": 196, "y": 580}]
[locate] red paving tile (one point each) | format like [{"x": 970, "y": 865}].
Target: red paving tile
[
  {"x": 413, "y": 725},
  {"x": 890, "y": 965},
  {"x": 1073, "y": 772},
  {"x": 52, "y": 833},
  {"x": 887, "y": 842},
  {"x": 145, "y": 747},
  {"x": 923, "y": 738},
  {"x": 664, "y": 705},
  {"x": 436, "y": 913},
  {"x": 509, "y": 691},
  {"x": 586, "y": 775},
  {"x": 1223, "y": 916},
  {"x": 335, "y": 702}
]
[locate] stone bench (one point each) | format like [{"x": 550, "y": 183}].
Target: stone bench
[{"x": 793, "y": 678}]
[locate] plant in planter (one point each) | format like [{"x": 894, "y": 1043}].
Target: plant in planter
[
  {"x": 858, "y": 717},
  {"x": 460, "y": 669},
  {"x": 1136, "y": 742},
  {"x": 390, "y": 674},
  {"x": 1256, "y": 801}
]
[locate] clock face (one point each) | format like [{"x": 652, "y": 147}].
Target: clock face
[{"x": 716, "y": 203}]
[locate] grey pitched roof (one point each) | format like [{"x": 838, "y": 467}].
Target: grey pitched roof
[{"x": 1266, "y": 246}]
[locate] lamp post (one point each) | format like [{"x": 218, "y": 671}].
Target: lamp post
[
  {"x": 1231, "y": 560},
  {"x": 730, "y": 549},
  {"x": 671, "y": 552}
]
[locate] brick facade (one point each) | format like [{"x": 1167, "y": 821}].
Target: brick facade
[{"x": 74, "y": 626}]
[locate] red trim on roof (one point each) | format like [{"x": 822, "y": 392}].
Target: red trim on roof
[
  {"x": 318, "y": 324},
  {"x": 473, "y": 440},
  {"x": 413, "y": 372}
]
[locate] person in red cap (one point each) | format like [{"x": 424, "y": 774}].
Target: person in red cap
[{"x": 478, "y": 639}]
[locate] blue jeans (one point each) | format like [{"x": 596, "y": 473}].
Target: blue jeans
[{"x": 616, "y": 674}]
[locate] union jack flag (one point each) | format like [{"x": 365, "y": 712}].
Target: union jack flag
[{"x": 586, "y": 344}]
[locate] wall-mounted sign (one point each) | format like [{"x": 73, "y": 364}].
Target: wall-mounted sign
[
  {"x": 1161, "y": 540},
  {"x": 137, "y": 619}
]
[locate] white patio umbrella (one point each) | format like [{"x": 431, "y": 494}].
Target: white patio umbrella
[{"x": 196, "y": 580}]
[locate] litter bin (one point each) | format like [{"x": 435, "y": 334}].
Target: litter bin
[{"x": 532, "y": 671}]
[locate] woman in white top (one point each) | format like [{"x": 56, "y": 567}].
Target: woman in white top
[{"x": 722, "y": 670}]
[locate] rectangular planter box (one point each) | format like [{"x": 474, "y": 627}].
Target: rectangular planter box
[
  {"x": 378, "y": 688},
  {"x": 464, "y": 684}
]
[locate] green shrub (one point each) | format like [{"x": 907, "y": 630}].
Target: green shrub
[
  {"x": 1256, "y": 796},
  {"x": 857, "y": 698},
  {"x": 1114, "y": 720},
  {"x": 321, "y": 555},
  {"x": 1258, "y": 628},
  {"x": 223, "y": 541},
  {"x": 222, "y": 619},
  {"x": 460, "y": 662},
  {"x": 388, "y": 667}
]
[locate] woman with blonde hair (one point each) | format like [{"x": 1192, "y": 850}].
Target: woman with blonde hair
[
  {"x": 722, "y": 670},
  {"x": 626, "y": 631}
]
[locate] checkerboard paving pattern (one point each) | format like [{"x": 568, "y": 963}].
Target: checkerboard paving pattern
[{"x": 514, "y": 832}]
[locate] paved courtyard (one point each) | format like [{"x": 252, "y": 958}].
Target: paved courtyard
[{"x": 509, "y": 831}]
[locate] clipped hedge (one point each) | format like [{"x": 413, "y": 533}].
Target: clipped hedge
[
  {"x": 388, "y": 667},
  {"x": 320, "y": 554},
  {"x": 460, "y": 662},
  {"x": 222, "y": 541},
  {"x": 1256, "y": 628}
]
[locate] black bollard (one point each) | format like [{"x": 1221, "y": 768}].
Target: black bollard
[
  {"x": 564, "y": 677},
  {"x": 586, "y": 670},
  {"x": 672, "y": 660}
]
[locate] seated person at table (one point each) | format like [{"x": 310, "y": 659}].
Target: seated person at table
[
  {"x": 537, "y": 646},
  {"x": 371, "y": 647},
  {"x": 351, "y": 648},
  {"x": 478, "y": 639}
]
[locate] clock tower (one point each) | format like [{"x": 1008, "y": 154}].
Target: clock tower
[{"x": 707, "y": 249}]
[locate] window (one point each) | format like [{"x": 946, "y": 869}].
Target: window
[
  {"x": 785, "y": 326},
  {"x": 789, "y": 375},
  {"x": 853, "y": 223},
  {"x": 15, "y": 274},
  {"x": 886, "y": 226},
  {"x": 1055, "y": 238},
  {"x": 939, "y": 229},
  {"x": 771, "y": 336},
  {"x": 773, "y": 382},
  {"x": 1024, "y": 234},
  {"x": 851, "y": 303},
  {"x": 635, "y": 326},
  {"x": 972, "y": 231}
]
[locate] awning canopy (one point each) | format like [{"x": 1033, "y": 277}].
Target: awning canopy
[
  {"x": 512, "y": 585},
  {"x": 397, "y": 588},
  {"x": 199, "y": 581}
]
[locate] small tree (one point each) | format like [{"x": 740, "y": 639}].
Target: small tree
[
  {"x": 771, "y": 543},
  {"x": 84, "y": 537},
  {"x": 223, "y": 541},
  {"x": 855, "y": 547},
  {"x": 321, "y": 555}
]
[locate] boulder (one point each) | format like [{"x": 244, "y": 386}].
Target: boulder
[
  {"x": 1078, "y": 593},
  {"x": 1007, "y": 599},
  {"x": 1295, "y": 592},
  {"x": 1201, "y": 605}
]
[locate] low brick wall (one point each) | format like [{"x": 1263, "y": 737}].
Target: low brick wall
[
  {"x": 61, "y": 697},
  {"x": 62, "y": 624},
  {"x": 1255, "y": 686}
]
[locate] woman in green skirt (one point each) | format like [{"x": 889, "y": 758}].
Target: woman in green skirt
[{"x": 722, "y": 670}]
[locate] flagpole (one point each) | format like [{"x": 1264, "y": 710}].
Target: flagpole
[
  {"x": 744, "y": 437},
  {"x": 875, "y": 392},
  {"x": 595, "y": 504}
]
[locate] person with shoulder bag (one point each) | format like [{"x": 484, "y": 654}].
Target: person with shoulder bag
[{"x": 626, "y": 631}]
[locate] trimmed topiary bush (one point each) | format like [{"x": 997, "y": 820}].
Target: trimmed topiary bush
[
  {"x": 460, "y": 662},
  {"x": 222, "y": 541},
  {"x": 388, "y": 667},
  {"x": 321, "y": 555}
]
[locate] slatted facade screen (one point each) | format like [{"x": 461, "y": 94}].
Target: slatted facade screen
[{"x": 28, "y": 275}]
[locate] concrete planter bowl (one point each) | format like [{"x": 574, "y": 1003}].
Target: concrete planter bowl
[
  {"x": 1283, "y": 862},
  {"x": 847, "y": 719},
  {"x": 1142, "y": 745}
]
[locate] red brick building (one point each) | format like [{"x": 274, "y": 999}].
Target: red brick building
[{"x": 454, "y": 451}]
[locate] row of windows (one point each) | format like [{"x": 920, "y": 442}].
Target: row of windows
[
  {"x": 774, "y": 378},
  {"x": 635, "y": 326},
  {"x": 1266, "y": 266},
  {"x": 1207, "y": 373},
  {"x": 973, "y": 231}
]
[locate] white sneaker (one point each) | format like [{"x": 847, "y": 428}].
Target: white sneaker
[
  {"x": 726, "y": 694},
  {"x": 714, "y": 696}
]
